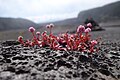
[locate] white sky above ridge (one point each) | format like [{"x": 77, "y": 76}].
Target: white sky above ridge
[{"x": 47, "y": 10}]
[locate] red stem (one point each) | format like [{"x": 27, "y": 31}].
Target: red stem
[
  {"x": 33, "y": 35},
  {"x": 36, "y": 41},
  {"x": 50, "y": 30}
]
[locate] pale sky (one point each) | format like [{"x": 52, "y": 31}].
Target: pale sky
[{"x": 47, "y": 10}]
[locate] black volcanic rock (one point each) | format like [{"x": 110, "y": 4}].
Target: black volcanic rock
[
  {"x": 83, "y": 58},
  {"x": 38, "y": 64},
  {"x": 104, "y": 71}
]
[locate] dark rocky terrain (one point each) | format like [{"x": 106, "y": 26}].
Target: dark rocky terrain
[{"x": 25, "y": 63}]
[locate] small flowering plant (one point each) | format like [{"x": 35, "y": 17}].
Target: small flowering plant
[{"x": 79, "y": 41}]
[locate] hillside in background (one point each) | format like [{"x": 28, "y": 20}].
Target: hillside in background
[
  {"x": 106, "y": 14},
  {"x": 15, "y": 23}
]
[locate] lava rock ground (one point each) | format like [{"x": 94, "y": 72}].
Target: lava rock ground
[{"x": 28, "y": 63}]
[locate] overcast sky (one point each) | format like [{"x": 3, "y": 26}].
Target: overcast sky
[{"x": 47, "y": 10}]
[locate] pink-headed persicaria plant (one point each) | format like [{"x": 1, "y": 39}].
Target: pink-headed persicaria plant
[{"x": 79, "y": 41}]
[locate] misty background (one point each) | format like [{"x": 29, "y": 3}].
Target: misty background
[
  {"x": 16, "y": 16},
  {"x": 47, "y": 10}
]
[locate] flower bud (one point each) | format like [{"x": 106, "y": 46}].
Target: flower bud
[
  {"x": 38, "y": 33},
  {"x": 94, "y": 42},
  {"x": 80, "y": 29},
  {"x": 51, "y": 25},
  {"x": 20, "y": 38},
  {"x": 89, "y": 25},
  {"x": 47, "y": 26},
  {"x": 31, "y": 29},
  {"x": 87, "y": 30}
]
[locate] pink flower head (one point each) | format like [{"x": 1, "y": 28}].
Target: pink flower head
[
  {"x": 44, "y": 33},
  {"x": 87, "y": 30},
  {"x": 89, "y": 25},
  {"x": 72, "y": 36},
  {"x": 94, "y": 42},
  {"x": 51, "y": 25},
  {"x": 31, "y": 29},
  {"x": 38, "y": 33},
  {"x": 20, "y": 38},
  {"x": 47, "y": 26},
  {"x": 80, "y": 29}
]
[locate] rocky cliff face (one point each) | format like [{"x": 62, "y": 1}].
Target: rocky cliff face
[
  {"x": 105, "y": 13},
  {"x": 101, "y": 14}
]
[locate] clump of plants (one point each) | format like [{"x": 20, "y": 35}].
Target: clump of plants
[{"x": 79, "y": 41}]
